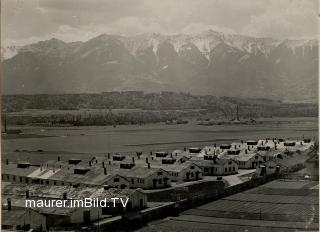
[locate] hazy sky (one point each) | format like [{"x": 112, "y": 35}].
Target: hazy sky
[{"x": 24, "y": 21}]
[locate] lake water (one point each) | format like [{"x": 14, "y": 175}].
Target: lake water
[{"x": 132, "y": 138}]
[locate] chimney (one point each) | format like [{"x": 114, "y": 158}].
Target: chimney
[
  {"x": 171, "y": 155},
  {"x": 105, "y": 171},
  {"x": 152, "y": 157},
  {"x": 246, "y": 151},
  {"x": 185, "y": 149},
  {"x": 149, "y": 165},
  {"x": 235, "y": 146},
  {"x": 147, "y": 160},
  {"x": 150, "y": 152},
  {"x": 27, "y": 194},
  {"x": 242, "y": 141},
  {"x": 108, "y": 155},
  {"x": 215, "y": 145},
  {"x": 59, "y": 158},
  {"x": 90, "y": 164},
  {"x": 7, "y": 161},
  {"x": 9, "y": 203},
  {"x": 64, "y": 196},
  {"x": 215, "y": 159},
  {"x": 132, "y": 159}
]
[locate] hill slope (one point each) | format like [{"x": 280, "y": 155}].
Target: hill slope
[{"x": 207, "y": 63}]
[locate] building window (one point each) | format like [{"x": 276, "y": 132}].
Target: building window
[
  {"x": 54, "y": 183},
  {"x": 132, "y": 181},
  {"x": 234, "y": 169},
  {"x": 20, "y": 178},
  {"x": 116, "y": 180},
  {"x": 62, "y": 183},
  {"x": 8, "y": 178},
  {"x": 27, "y": 180},
  {"x": 192, "y": 167},
  {"x": 159, "y": 173},
  {"x": 160, "y": 181},
  {"x": 41, "y": 181},
  {"x": 226, "y": 170},
  {"x": 14, "y": 178},
  {"x": 47, "y": 182}
]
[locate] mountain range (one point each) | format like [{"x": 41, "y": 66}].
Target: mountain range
[{"x": 209, "y": 63}]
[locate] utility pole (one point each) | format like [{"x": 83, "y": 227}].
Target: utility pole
[
  {"x": 238, "y": 112},
  {"x": 4, "y": 117},
  {"x": 5, "y": 122}
]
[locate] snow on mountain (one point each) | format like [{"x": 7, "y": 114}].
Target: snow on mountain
[
  {"x": 205, "y": 63},
  {"x": 205, "y": 42},
  {"x": 303, "y": 44},
  {"x": 8, "y": 52}
]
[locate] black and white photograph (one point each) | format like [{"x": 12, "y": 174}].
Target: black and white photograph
[{"x": 159, "y": 115}]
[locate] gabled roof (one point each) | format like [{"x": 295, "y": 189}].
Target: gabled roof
[
  {"x": 242, "y": 157},
  {"x": 178, "y": 167},
  {"x": 139, "y": 172},
  {"x": 95, "y": 176},
  {"x": 12, "y": 169}
]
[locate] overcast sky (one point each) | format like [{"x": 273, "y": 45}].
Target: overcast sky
[{"x": 24, "y": 21}]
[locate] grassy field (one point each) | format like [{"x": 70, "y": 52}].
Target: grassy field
[{"x": 93, "y": 140}]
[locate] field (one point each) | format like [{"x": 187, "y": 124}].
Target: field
[
  {"x": 84, "y": 141},
  {"x": 266, "y": 208}
]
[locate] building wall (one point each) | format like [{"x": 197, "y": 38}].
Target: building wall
[
  {"x": 147, "y": 182},
  {"x": 77, "y": 215},
  {"x": 135, "y": 199},
  {"x": 31, "y": 218},
  {"x": 192, "y": 175},
  {"x": 251, "y": 163},
  {"x": 36, "y": 220},
  {"x": 312, "y": 169},
  {"x": 229, "y": 168},
  {"x": 181, "y": 176}
]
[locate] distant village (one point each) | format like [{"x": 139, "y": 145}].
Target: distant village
[{"x": 143, "y": 177}]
